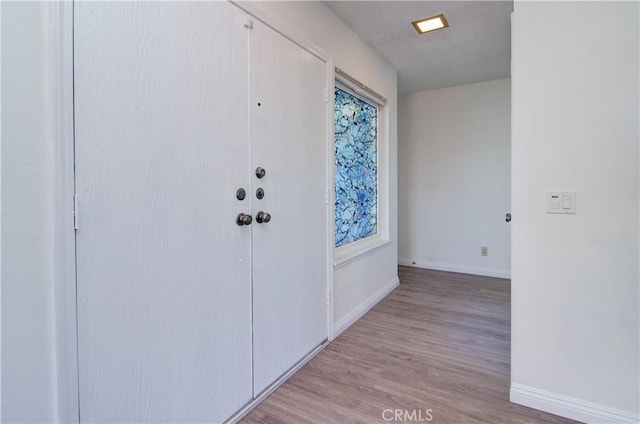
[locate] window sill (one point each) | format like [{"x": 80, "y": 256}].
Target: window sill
[{"x": 345, "y": 254}]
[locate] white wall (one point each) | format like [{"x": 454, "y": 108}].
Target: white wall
[
  {"x": 29, "y": 391},
  {"x": 360, "y": 281},
  {"x": 575, "y": 318},
  {"x": 454, "y": 178}
]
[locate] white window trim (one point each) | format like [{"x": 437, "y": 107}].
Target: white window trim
[
  {"x": 351, "y": 251},
  {"x": 354, "y": 250}
]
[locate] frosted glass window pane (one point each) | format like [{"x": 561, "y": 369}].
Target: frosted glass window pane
[{"x": 356, "y": 167}]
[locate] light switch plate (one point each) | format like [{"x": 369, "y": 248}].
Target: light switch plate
[{"x": 561, "y": 201}]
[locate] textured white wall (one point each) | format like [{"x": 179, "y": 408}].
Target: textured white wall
[
  {"x": 575, "y": 321},
  {"x": 360, "y": 279},
  {"x": 29, "y": 391},
  {"x": 454, "y": 179}
]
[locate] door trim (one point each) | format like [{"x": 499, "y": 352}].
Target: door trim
[
  {"x": 330, "y": 199},
  {"x": 64, "y": 242},
  {"x": 280, "y": 27}
]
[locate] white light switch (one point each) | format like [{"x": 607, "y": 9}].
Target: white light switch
[{"x": 561, "y": 201}]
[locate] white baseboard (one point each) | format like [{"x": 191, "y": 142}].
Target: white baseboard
[
  {"x": 464, "y": 269},
  {"x": 565, "y": 406},
  {"x": 364, "y": 307}
]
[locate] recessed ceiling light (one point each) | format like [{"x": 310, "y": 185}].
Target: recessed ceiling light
[{"x": 430, "y": 24}]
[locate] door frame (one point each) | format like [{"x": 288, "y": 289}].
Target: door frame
[
  {"x": 65, "y": 278},
  {"x": 64, "y": 238}
]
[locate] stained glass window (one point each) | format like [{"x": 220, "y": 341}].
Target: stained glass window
[{"x": 356, "y": 168}]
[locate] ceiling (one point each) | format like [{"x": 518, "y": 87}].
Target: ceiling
[{"x": 476, "y": 46}]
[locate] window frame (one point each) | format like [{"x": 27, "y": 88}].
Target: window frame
[{"x": 350, "y": 251}]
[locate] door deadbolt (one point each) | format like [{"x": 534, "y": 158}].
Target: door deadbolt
[
  {"x": 260, "y": 172},
  {"x": 260, "y": 193},
  {"x": 243, "y": 219},
  {"x": 263, "y": 217},
  {"x": 507, "y": 217},
  {"x": 241, "y": 194}
]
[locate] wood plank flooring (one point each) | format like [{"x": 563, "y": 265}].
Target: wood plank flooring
[{"x": 439, "y": 342}]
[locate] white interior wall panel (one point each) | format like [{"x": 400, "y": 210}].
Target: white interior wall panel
[
  {"x": 575, "y": 291},
  {"x": 163, "y": 270}
]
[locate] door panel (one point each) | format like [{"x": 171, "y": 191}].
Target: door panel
[
  {"x": 164, "y": 295},
  {"x": 288, "y": 139}
]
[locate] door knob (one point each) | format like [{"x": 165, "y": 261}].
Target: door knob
[
  {"x": 260, "y": 172},
  {"x": 243, "y": 219},
  {"x": 263, "y": 217},
  {"x": 507, "y": 217}
]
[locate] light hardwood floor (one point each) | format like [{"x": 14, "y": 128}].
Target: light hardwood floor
[{"x": 439, "y": 342}]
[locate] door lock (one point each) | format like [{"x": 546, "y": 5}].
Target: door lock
[
  {"x": 260, "y": 172},
  {"x": 263, "y": 217},
  {"x": 507, "y": 217},
  {"x": 260, "y": 193},
  {"x": 240, "y": 194},
  {"x": 243, "y": 219}
]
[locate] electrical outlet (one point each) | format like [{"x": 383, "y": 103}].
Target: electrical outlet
[{"x": 484, "y": 251}]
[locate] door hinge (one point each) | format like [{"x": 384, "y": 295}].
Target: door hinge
[
  {"x": 326, "y": 95},
  {"x": 248, "y": 23},
  {"x": 76, "y": 213}
]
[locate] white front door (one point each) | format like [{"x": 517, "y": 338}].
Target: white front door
[
  {"x": 164, "y": 285},
  {"x": 288, "y": 140}
]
